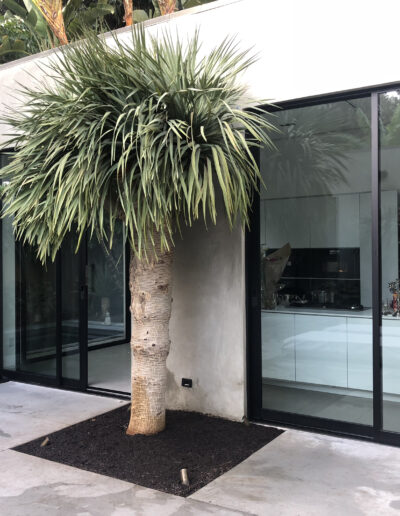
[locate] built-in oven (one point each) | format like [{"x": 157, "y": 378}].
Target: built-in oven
[
  {"x": 334, "y": 263},
  {"x": 322, "y": 277}
]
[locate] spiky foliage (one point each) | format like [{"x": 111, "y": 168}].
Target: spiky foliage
[{"x": 147, "y": 132}]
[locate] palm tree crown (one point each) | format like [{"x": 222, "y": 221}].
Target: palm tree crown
[{"x": 145, "y": 131}]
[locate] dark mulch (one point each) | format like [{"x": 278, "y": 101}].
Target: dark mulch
[{"x": 206, "y": 446}]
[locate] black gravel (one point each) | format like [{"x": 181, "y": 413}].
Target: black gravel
[{"x": 207, "y": 446}]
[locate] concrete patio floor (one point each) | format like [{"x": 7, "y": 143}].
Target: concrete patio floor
[
  {"x": 30, "y": 411},
  {"x": 297, "y": 474},
  {"x": 308, "y": 474}
]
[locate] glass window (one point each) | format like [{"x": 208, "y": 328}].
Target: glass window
[
  {"x": 29, "y": 306},
  {"x": 37, "y": 325},
  {"x": 109, "y": 355},
  {"x": 42, "y": 305},
  {"x": 389, "y": 107},
  {"x": 106, "y": 290},
  {"x": 316, "y": 263},
  {"x": 8, "y": 294},
  {"x": 70, "y": 308}
]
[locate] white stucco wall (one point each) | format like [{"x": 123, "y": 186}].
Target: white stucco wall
[
  {"x": 305, "y": 48},
  {"x": 208, "y": 322}
]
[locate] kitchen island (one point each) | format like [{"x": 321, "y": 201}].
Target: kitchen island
[{"x": 331, "y": 348}]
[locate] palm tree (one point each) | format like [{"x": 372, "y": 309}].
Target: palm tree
[
  {"x": 148, "y": 132},
  {"x": 52, "y": 23}
]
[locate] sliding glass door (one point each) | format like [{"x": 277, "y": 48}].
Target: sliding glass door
[
  {"x": 44, "y": 313},
  {"x": 36, "y": 309},
  {"x": 324, "y": 287},
  {"x": 66, "y": 322},
  {"x": 389, "y": 165},
  {"x": 109, "y": 355},
  {"x": 49, "y": 315}
]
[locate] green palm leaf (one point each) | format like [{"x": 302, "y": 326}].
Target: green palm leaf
[{"x": 147, "y": 131}]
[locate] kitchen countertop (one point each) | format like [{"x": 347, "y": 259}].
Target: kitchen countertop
[{"x": 329, "y": 312}]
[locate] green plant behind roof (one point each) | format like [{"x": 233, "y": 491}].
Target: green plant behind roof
[
  {"x": 66, "y": 21},
  {"x": 145, "y": 131},
  {"x": 16, "y": 40}
]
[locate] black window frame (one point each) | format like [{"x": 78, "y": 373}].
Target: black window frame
[
  {"x": 58, "y": 380},
  {"x": 253, "y": 292}
]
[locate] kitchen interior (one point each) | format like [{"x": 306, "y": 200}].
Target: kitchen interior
[{"x": 316, "y": 266}]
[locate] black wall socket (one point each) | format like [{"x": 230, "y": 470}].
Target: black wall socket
[{"x": 187, "y": 382}]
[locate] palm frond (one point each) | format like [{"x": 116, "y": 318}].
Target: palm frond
[{"x": 146, "y": 131}]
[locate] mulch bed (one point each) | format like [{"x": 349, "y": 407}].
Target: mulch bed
[{"x": 206, "y": 446}]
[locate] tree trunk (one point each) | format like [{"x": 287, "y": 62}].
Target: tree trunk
[
  {"x": 128, "y": 7},
  {"x": 52, "y": 12},
  {"x": 150, "y": 286},
  {"x": 167, "y": 6}
]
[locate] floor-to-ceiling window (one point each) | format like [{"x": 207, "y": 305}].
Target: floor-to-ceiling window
[
  {"x": 389, "y": 127},
  {"x": 318, "y": 328},
  {"x": 109, "y": 352},
  {"x": 36, "y": 309},
  {"x": 65, "y": 322},
  {"x": 8, "y": 282},
  {"x": 315, "y": 245}
]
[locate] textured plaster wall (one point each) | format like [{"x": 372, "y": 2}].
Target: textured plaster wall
[{"x": 208, "y": 322}]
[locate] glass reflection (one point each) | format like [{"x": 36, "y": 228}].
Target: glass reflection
[
  {"x": 109, "y": 354},
  {"x": 389, "y": 107},
  {"x": 38, "y": 314},
  {"x": 9, "y": 293},
  {"x": 316, "y": 263},
  {"x": 70, "y": 308}
]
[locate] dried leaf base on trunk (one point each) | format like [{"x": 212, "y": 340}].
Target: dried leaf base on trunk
[{"x": 150, "y": 286}]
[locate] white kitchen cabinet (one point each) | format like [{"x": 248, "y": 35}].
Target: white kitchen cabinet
[
  {"x": 328, "y": 350},
  {"x": 391, "y": 356},
  {"x": 359, "y": 343},
  {"x": 278, "y": 354},
  {"x": 390, "y": 260},
  {"x": 263, "y": 240},
  {"x": 334, "y": 221},
  {"x": 286, "y": 220},
  {"x": 322, "y": 217},
  {"x": 321, "y": 350},
  {"x": 348, "y": 220},
  {"x": 365, "y": 250},
  {"x": 316, "y": 222}
]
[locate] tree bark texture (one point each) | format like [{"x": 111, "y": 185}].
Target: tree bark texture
[
  {"x": 150, "y": 287},
  {"x": 128, "y": 7},
  {"x": 52, "y": 12},
  {"x": 167, "y": 6}
]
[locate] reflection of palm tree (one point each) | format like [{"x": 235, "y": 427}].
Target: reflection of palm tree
[
  {"x": 315, "y": 142},
  {"x": 389, "y": 118},
  {"x": 109, "y": 277}
]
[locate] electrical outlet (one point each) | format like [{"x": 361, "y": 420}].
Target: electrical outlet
[{"x": 187, "y": 382}]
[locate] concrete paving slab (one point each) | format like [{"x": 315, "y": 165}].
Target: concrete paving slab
[
  {"x": 30, "y": 411},
  {"x": 305, "y": 474},
  {"x": 34, "y": 486}
]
